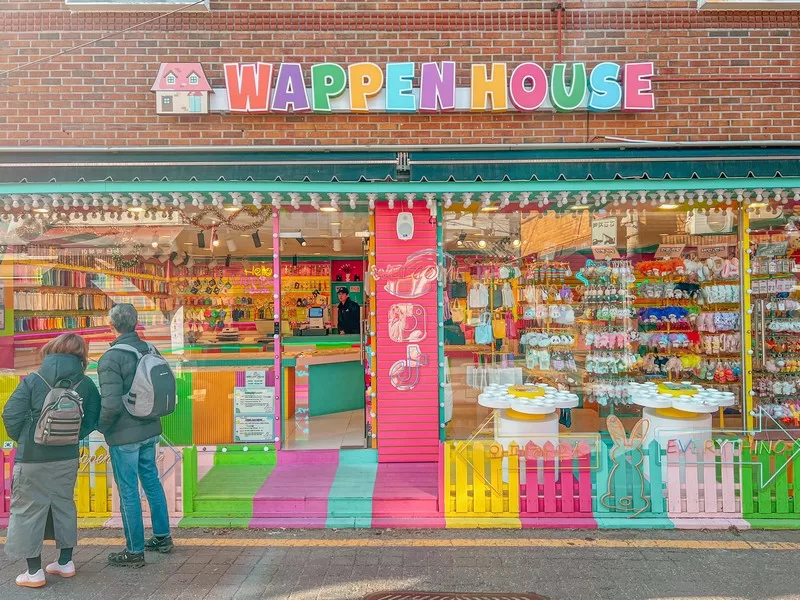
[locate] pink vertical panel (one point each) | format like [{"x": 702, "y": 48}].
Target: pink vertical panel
[
  {"x": 407, "y": 354},
  {"x": 6, "y": 475},
  {"x": 692, "y": 486},
  {"x": 585, "y": 480},
  {"x": 532, "y": 483},
  {"x": 673, "y": 477},
  {"x": 728, "y": 479},
  {"x": 549, "y": 486},
  {"x": 567, "y": 486},
  {"x": 710, "y": 479}
]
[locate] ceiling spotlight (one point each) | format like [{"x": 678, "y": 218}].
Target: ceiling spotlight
[
  {"x": 481, "y": 243},
  {"x": 302, "y": 241},
  {"x": 461, "y": 237},
  {"x": 215, "y": 241},
  {"x": 256, "y": 240},
  {"x": 337, "y": 245},
  {"x": 516, "y": 242}
]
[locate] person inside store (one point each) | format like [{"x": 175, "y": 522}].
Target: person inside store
[
  {"x": 46, "y": 467},
  {"x": 132, "y": 443},
  {"x": 348, "y": 313}
]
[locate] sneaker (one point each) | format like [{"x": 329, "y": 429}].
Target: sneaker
[
  {"x": 126, "y": 559},
  {"x": 162, "y": 545},
  {"x": 67, "y": 570},
  {"x": 36, "y": 580}
]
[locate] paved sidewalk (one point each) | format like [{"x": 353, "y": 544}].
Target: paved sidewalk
[{"x": 348, "y": 565}]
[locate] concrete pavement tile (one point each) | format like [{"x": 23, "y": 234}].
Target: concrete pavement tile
[
  {"x": 222, "y": 592},
  {"x": 237, "y": 569},
  {"x": 191, "y": 568}
]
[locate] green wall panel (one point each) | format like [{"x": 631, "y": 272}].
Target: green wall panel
[
  {"x": 178, "y": 425},
  {"x": 335, "y": 388}
]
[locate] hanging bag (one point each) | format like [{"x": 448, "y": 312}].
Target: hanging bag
[
  {"x": 457, "y": 312},
  {"x": 497, "y": 296},
  {"x": 511, "y": 326},
  {"x": 458, "y": 288},
  {"x": 483, "y": 332},
  {"x": 499, "y": 328},
  {"x": 448, "y": 393}
]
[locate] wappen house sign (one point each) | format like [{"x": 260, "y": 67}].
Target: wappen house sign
[{"x": 404, "y": 87}]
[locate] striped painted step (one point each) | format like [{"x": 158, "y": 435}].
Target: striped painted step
[{"x": 407, "y": 495}]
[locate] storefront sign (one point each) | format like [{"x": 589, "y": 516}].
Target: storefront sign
[
  {"x": 772, "y": 249},
  {"x": 254, "y": 429},
  {"x": 254, "y": 401},
  {"x": 670, "y": 250},
  {"x": 712, "y": 250},
  {"x": 254, "y": 412},
  {"x": 255, "y": 379},
  {"x": 605, "y": 252},
  {"x": 604, "y": 232},
  {"x": 404, "y": 87}
]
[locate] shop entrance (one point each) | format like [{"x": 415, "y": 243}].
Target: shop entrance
[{"x": 323, "y": 329}]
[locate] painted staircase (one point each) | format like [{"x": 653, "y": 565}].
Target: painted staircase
[{"x": 346, "y": 489}]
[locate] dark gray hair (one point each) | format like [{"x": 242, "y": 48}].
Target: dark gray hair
[{"x": 124, "y": 318}]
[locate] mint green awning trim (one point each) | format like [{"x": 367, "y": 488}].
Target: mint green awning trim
[{"x": 400, "y": 189}]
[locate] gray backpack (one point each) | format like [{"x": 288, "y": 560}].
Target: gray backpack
[
  {"x": 59, "y": 423},
  {"x": 154, "y": 392}
]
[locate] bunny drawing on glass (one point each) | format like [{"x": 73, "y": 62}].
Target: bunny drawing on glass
[{"x": 617, "y": 496}]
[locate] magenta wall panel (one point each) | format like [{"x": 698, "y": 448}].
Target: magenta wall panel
[{"x": 408, "y": 397}]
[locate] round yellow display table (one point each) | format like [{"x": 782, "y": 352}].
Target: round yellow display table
[
  {"x": 678, "y": 411},
  {"x": 526, "y": 414}
]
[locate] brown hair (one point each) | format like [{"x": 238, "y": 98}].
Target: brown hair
[{"x": 69, "y": 343}]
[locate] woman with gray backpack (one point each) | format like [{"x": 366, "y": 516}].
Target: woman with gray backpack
[{"x": 48, "y": 414}]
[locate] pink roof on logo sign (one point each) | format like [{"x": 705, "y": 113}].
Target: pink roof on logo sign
[{"x": 182, "y": 72}]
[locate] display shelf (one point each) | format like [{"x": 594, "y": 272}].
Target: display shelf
[{"x": 51, "y": 266}]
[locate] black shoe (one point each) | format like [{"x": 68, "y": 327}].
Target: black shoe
[
  {"x": 126, "y": 559},
  {"x": 162, "y": 545}
]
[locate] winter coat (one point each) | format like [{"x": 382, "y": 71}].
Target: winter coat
[{"x": 115, "y": 371}]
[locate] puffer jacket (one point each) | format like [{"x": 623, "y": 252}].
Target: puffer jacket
[
  {"x": 115, "y": 371},
  {"x": 24, "y": 407}
]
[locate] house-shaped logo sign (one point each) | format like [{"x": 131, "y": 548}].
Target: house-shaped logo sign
[{"x": 181, "y": 89}]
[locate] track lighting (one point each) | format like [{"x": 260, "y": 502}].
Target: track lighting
[
  {"x": 461, "y": 237},
  {"x": 337, "y": 245},
  {"x": 228, "y": 260},
  {"x": 481, "y": 243},
  {"x": 231, "y": 243},
  {"x": 256, "y": 240},
  {"x": 201, "y": 239},
  {"x": 302, "y": 241}
]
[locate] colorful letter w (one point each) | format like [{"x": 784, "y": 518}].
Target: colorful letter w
[{"x": 248, "y": 87}]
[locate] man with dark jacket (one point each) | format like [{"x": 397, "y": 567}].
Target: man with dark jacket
[
  {"x": 132, "y": 442},
  {"x": 348, "y": 314}
]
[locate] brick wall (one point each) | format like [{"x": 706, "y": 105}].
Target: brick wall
[{"x": 721, "y": 75}]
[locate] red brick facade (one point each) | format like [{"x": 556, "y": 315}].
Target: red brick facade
[{"x": 721, "y": 76}]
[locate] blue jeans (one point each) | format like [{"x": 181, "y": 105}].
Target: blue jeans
[{"x": 132, "y": 463}]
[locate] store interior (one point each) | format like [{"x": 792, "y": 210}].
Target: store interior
[
  {"x": 590, "y": 302},
  {"x": 203, "y": 283},
  {"x": 587, "y": 300}
]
